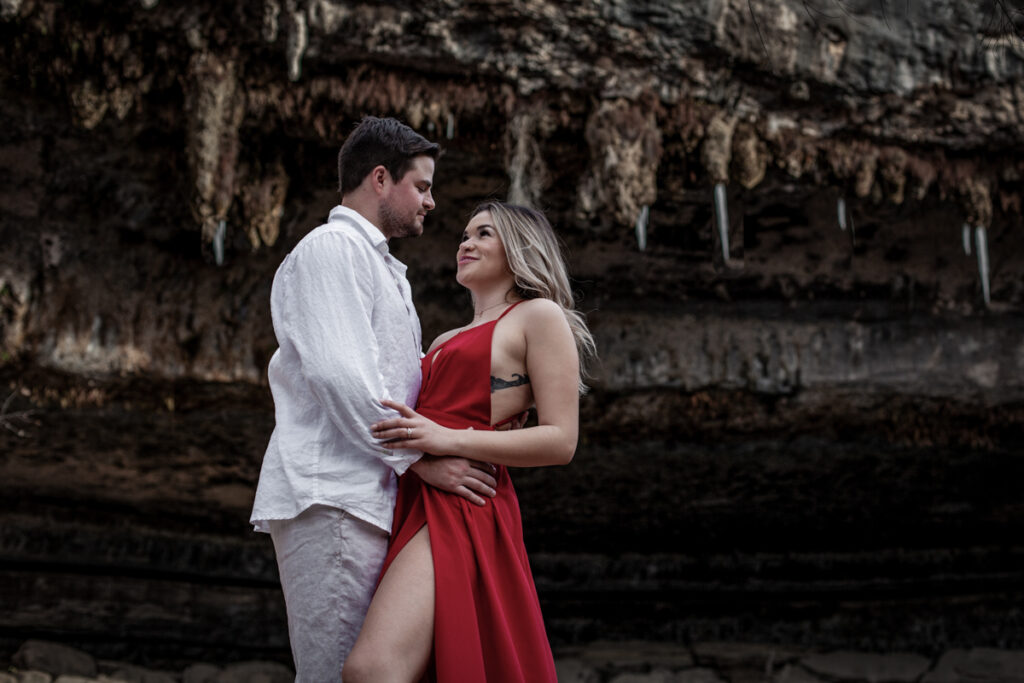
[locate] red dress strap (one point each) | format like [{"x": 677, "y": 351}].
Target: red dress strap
[
  {"x": 511, "y": 417},
  {"x": 503, "y": 313}
]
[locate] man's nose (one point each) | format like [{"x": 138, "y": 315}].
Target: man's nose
[{"x": 428, "y": 201}]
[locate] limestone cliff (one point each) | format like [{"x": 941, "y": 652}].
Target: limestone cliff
[{"x": 795, "y": 226}]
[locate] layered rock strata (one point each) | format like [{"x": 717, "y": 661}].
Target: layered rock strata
[{"x": 807, "y": 420}]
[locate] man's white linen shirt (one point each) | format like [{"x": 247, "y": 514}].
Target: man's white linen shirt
[{"x": 348, "y": 335}]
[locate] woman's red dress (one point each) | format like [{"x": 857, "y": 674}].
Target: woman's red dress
[{"x": 487, "y": 620}]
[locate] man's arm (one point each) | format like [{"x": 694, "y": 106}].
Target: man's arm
[{"x": 328, "y": 298}]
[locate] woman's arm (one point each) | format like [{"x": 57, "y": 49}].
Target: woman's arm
[{"x": 553, "y": 366}]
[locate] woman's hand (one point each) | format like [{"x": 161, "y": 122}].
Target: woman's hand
[{"x": 412, "y": 430}]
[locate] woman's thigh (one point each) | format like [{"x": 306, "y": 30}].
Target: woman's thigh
[{"x": 398, "y": 634}]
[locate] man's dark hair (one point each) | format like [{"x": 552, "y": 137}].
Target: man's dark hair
[{"x": 380, "y": 142}]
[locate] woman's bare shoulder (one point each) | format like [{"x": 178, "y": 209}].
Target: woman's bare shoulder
[
  {"x": 542, "y": 311},
  {"x": 541, "y": 320}
]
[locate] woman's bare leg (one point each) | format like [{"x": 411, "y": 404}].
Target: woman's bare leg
[{"x": 398, "y": 634}]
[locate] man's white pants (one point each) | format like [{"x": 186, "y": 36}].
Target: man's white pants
[{"x": 329, "y": 562}]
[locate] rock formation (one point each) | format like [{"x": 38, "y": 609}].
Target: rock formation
[{"x": 806, "y": 426}]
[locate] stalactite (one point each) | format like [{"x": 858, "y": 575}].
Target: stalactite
[
  {"x": 977, "y": 199},
  {"x": 262, "y": 200},
  {"x": 641, "y": 227},
  {"x": 722, "y": 219},
  {"x": 749, "y": 156},
  {"x": 864, "y": 178},
  {"x": 298, "y": 40},
  {"x": 716, "y": 155},
  {"x": 271, "y": 13},
  {"x": 218, "y": 242},
  {"x": 90, "y": 105},
  {"x": 892, "y": 165},
  {"x": 978, "y": 207},
  {"x": 527, "y": 169},
  {"x": 717, "y": 150},
  {"x": 981, "y": 247},
  {"x": 625, "y": 149},
  {"x": 215, "y": 106},
  {"x": 921, "y": 175}
]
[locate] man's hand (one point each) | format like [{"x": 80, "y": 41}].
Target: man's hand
[{"x": 467, "y": 478}]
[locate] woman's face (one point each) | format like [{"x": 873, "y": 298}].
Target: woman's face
[{"x": 481, "y": 256}]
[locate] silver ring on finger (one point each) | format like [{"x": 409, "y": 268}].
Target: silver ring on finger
[{"x": 408, "y": 433}]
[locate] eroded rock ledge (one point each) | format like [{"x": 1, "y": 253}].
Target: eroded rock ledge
[{"x": 171, "y": 132}]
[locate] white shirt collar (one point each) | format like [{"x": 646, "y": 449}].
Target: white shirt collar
[{"x": 370, "y": 231}]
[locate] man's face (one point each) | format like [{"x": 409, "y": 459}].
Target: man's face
[{"x": 405, "y": 203}]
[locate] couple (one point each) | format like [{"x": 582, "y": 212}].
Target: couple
[{"x": 451, "y": 596}]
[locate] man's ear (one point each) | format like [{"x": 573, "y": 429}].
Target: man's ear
[{"x": 379, "y": 176}]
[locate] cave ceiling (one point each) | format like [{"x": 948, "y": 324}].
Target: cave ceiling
[{"x": 159, "y": 158}]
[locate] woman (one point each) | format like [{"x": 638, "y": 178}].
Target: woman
[{"x": 456, "y": 595}]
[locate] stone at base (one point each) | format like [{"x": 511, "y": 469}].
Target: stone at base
[
  {"x": 571, "y": 670},
  {"x": 857, "y": 666},
  {"x": 256, "y": 672},
  {"x": 946, "y": 670},
  {"x": 129, "y": 673},
  {"x": 34, "y": 677},
  {"x": 697, "y": 676},
  {"x": 795, "y": 674},
  {"x": 989, "y": 665},
  {"x": 200, "y": 673},
  {"x": 55, "y": 659}
]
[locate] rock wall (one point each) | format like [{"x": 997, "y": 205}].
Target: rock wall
[{"x": 806, "y": 426}]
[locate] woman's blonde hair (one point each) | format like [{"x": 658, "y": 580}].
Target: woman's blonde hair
[{"x": 535, "y": 259}]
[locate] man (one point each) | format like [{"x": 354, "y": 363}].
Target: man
[{"x": 348, "y": 337}]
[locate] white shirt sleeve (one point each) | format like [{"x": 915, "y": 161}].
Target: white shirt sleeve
[{"x": 327, "y": 302}]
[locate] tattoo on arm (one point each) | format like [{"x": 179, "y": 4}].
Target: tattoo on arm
[{"x": 517, "y": 380}]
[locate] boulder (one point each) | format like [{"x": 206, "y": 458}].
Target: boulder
[{"x": 54, "y": 658}]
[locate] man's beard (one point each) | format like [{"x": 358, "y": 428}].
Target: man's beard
[{"x": 393, "y": 225}]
